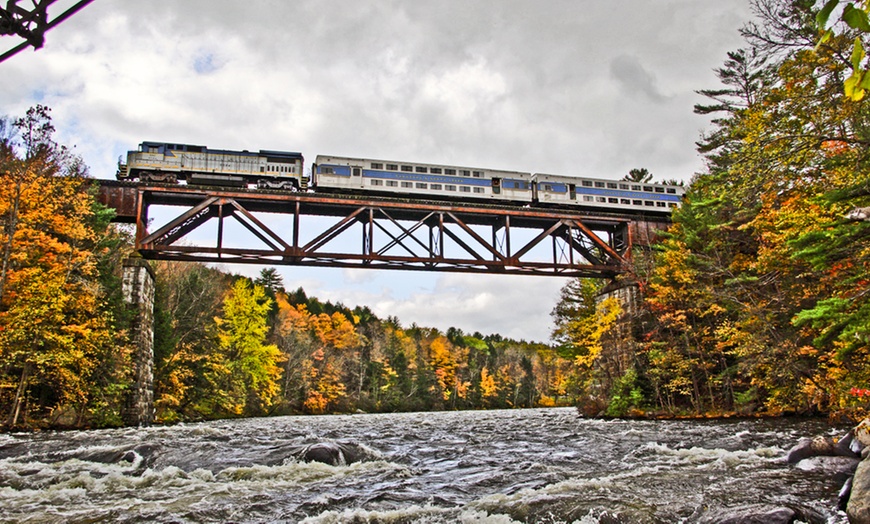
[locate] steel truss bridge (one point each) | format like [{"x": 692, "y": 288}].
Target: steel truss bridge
[{"x": 306, "y": 229}]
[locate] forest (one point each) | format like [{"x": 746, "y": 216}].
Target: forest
[{"x": 755, "y": 302}]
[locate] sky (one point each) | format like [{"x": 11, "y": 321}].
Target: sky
[{"x": 589, "y": 88}]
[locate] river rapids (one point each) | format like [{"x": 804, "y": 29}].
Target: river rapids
[{"x": 541, "y": 465}]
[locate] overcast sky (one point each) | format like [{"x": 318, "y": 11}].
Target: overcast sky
[{"x": 573, "y": 87}]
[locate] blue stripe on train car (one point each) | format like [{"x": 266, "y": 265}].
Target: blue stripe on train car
[
  {"x": 429, "y": 179},
  {"x": 511, "y": 183},
  {"x": 554, "y": 188},
  {"x": 640, "y": 195},
  {"x": 338, "y": 170}
]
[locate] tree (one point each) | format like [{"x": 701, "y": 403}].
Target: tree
[
  {"x": 58, "y": 342},
  {"x": 249, "y": 373},
  {"x": 270, "y": 280},
  {"x": 641, "y": 175}
]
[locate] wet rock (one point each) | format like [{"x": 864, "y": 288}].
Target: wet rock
[
  {"x": 847, "y": 446},
  {"x": 858, "y": 508},
  {"x": 132, "y": 454},
  {"x": 838, "y": 468},
  {"x": 332, "y": 453},
  {"x": 843, "y": 495},
  {"x": 814, "y": 447},
  {"x": 761, "y": 514}
]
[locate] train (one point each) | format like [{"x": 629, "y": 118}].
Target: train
[{"x": 283, "y": 170}]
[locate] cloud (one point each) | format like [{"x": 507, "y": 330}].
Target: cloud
[{"x": 633, "y": 77}]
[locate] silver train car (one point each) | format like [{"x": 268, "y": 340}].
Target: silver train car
[
  {"x": 333, "y": 173},
  {"x": 163, "y": 162},
  {"x": 440, "y": 181}
]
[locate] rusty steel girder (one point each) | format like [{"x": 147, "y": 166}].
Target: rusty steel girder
[{"x": 366, "y": 232}]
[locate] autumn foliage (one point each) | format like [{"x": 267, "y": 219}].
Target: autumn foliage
[{"x": 757, "y": 301}]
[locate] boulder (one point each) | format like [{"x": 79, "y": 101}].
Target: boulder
[
  {"x": 814, "y": 447},
  {"x": 847, "y": 446},
  {"x": 332, "y": 453},
  {"x": 858, "y": 508},
  {"x": 764, "y": 514},
  {"x": 843, "y": 495},
  {"x": 862, "y": 432}
]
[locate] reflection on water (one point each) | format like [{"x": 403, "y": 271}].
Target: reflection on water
[{"x": 543, "y": 465}]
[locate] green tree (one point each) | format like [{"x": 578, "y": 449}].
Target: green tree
[{"x": 249, "y": 371}]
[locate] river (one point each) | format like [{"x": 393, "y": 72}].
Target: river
[{"x": 540, "y": 465}]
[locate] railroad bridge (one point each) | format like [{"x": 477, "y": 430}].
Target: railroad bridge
[{"x": 177, "y": 222}]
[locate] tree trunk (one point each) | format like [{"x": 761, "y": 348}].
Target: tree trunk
[
  {"x": 10, "y": 228},
  {"x": 19, "y": 396}
]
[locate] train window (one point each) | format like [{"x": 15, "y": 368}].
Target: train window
[
  {"x": 435, "y": 187},
  {"x": 407, "y": 184},
  {"x": 672, "y": 191},
  {"x": 623, "y": 186},
  {"x": 448, "y": 171},
  {"x": 635, "y": 188},
  {"x": 647, "y": 188},
  {"x": 660, "y": 190},
  {"x": 649, "y": 203},
  {"x": 409, "y": 169},
  {"x": 421, "y": 169},
  {"x": 262, "y": 169},
  {"x": 392, "y": 167},
  {"x": 599, "y": 184},
  {"x": 479, "y": 190},
  {"x": 671, "y": 204},
  {"x": 449, "y": 187},
  {"x": 392, "y": 183},
  {"x": 625, "y": 201},
  {"x": 464, "y": 189},
  {"x": 611, "y": 185},
  {"x": 613, "y": 200},
  {"x": 421, "y": 185},
  {"x": 600, "y": 199},
  {"x": 376, "y": 182},
  {"x": 588, "y": 198},
  {"x": 637, "y": 202},
  {"x": 435, "y": 170},
  {"x": 477, "y": 174},
  {"x": 325, "y": 171},
  {"x": 661, "y": 204},
  {"x": 547, "y": 187},
  {"x": 377, "y": 165},
  {"x": 587, "y": 183}
]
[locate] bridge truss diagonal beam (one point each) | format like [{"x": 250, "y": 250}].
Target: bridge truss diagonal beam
[{"x": 375, "y": 233}]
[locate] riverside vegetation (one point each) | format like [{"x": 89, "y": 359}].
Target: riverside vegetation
[{"x": 756, "y": 301}]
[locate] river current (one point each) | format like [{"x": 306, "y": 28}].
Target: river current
[{"x": 540, "y": 465}]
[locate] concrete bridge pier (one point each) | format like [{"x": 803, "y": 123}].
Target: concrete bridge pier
[{"x": 138, "y": 288}]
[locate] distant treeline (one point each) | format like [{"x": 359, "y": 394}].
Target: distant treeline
[{"x": 229, "y": 346}]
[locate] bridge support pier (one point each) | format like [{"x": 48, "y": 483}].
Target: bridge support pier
[{"x": 138, "y": 287}]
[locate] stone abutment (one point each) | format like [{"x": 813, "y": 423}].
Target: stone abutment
[{"x": 138, "y": 287}]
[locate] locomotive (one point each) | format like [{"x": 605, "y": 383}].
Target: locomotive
[{"x": 198, "y": 165}]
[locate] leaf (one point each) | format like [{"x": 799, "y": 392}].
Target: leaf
[
  {"x": 851, "y": 86},
  {"x": 825, "y": 13},
  {"x": 856, "y": 18},
  {"x": 858, "y": 54}
]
